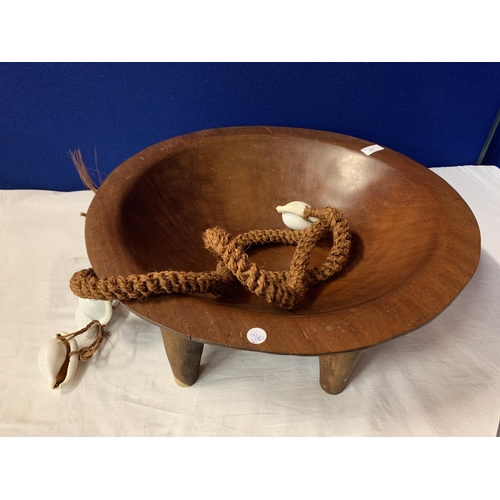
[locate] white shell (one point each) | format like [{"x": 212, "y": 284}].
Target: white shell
[
  {"x": 89, "y": 309},
  {"x": 51, "y": 358},
  {"x": 292, "y": 214}
]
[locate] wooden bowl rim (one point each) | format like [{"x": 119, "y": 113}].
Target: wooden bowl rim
[{"x": 342, "y": 331}]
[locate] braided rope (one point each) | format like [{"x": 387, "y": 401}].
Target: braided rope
[
  {"x": 85, "y": 353},
  {"x": 284, "y": 288}
]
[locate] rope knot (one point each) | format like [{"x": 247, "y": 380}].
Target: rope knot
[{"x": 284, "y": 288}]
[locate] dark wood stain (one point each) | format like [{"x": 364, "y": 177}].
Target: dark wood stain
[{"x": 416, "y": 243}]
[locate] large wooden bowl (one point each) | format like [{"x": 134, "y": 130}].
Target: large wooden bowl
[{"x": 416, "y": 243}]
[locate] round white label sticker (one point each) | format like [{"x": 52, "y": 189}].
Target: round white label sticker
[{"x": 256, "y": 335}]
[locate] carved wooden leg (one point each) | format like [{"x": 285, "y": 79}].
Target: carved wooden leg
[
  {"x": 335, "y": 370},
  {"x": 184, "y": 356}
]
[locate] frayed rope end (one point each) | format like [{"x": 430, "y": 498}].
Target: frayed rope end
[{"x": 83, "y": 172}]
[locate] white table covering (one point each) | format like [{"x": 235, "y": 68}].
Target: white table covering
[{"x": 442, "y": 380}]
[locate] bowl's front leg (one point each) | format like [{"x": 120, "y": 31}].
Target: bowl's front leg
[
  {"x": 335, "y": 370},
  {"x": 184, "y": 356}
]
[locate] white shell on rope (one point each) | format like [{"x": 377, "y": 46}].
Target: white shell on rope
[
  {"x": 89, "y": 309},
  {"x": 55, "y": 362},
  {"x": 292, "y": 214}
]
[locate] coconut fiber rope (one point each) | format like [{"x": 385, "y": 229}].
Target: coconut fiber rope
[{"x": 284, "y": 288}]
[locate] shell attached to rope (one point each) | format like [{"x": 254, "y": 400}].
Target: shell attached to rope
[
  {"x": 293, "y": 215},
  {"x": 56, "y": 362},
  {"x": 88, "y": 310},
  {"x": 58, "y": 358}
]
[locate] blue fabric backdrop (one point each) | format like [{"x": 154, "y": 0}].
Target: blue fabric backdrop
[{"x": 438, "y": 114}]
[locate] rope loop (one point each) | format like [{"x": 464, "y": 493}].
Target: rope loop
[
  {"x": 284, "y": 288},
  {"x": 85, "y": 353}
]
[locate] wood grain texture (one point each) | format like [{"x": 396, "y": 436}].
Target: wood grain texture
[
  {"x": 184, "y": 357},
  {"x": 416, "y": 243},
  {"x": 336, "y": 369}
]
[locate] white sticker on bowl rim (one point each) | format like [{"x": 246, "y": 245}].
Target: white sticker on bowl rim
[
  {"x": 371, "y": 149},
  {"x": 256, "y": 335}
]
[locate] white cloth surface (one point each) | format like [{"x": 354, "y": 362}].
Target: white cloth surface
[{"x": 441, "y": 380}]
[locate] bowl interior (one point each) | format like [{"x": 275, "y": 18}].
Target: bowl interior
[
  {"x": 236, "y": 182},
  {"x": 416, "y": 243}
]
